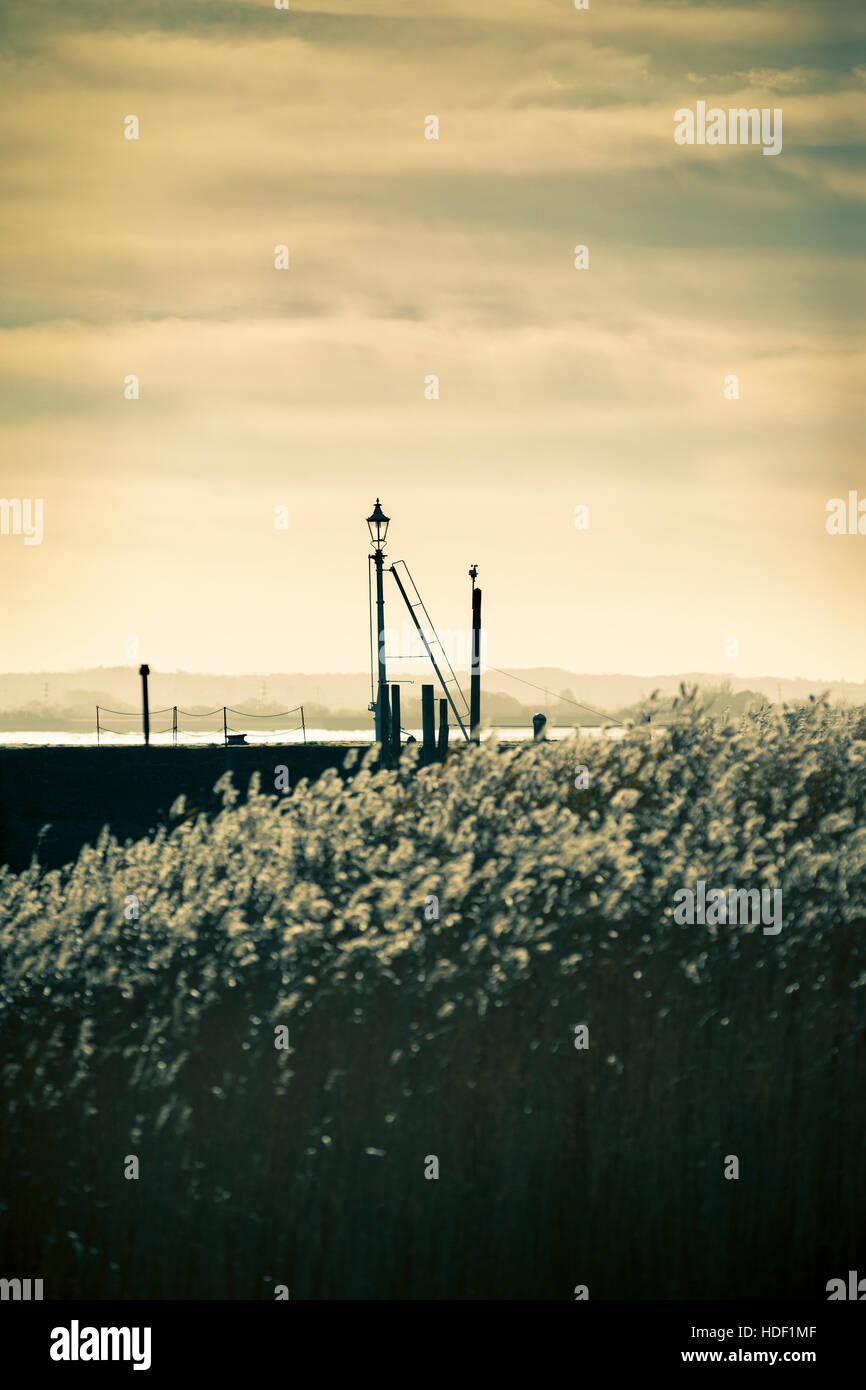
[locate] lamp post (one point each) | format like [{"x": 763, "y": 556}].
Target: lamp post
[{"x": 377, "y": 523}]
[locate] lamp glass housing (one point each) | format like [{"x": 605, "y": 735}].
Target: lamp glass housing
[{"x": 377, "y": 523}]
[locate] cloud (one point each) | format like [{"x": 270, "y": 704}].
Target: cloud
[{"x": 411, "y": 257}]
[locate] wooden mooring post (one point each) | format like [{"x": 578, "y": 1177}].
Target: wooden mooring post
[
  {"x": 144, "y": 672},
  {"x": 475, "y": 675},
  {"x": 384, "y": 711},
  {"x": 395, "y": 725},
  {"x": 428, "y": 725},
  {"x": 443, "y": 730}
]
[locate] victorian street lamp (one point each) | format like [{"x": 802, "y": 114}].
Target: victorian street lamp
[{"x": 377, "y": 523}]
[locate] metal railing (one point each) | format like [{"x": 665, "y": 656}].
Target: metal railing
[{"x": 229, "y": 731}]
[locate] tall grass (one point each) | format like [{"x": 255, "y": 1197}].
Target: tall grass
[{"x": 453, "y": 1037}]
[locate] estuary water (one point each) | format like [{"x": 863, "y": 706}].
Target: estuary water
[{"x": 60, "y": 738}]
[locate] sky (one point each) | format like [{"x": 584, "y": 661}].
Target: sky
[{"x": 705, "y": 545}]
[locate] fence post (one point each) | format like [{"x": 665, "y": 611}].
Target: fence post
[
  {"x": 174, "y": 725},
  {"x": 97, "y": 726},
  {"x": 225, "y": 728},
  {"x": 303, "y": 724},
  {"x": 428, "y": 724}
]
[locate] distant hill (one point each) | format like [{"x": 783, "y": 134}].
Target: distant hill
[
  {"x": 60, "y": 699},
  {"x": 614, "y": 692}
]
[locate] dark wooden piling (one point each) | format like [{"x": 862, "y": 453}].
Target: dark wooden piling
[
  {"x": 384, "y": 718},
  {"x": 395, "y": 724},
  {"x": 442, "y": 748},
  {"x": 475, "y": 675},
  {"x": 384, "y": 726},
  {"x": 144, "y": 672},
  {"x": 428, "y": 724}
]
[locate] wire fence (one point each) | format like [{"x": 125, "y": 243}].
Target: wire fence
[{"x": 223, "y": 724}]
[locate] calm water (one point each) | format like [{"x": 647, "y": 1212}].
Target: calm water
[{"x": 42, "y": 738}]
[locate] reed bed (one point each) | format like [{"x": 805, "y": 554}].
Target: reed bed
[{"x": 431, "y": 938}]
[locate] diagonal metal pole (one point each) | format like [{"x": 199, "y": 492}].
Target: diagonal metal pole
[{"x": 429, "y": 652}]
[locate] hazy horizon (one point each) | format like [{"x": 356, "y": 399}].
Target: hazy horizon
[
  {"x": 73, "y": 694},
  {"x": 737, "y": 677}
]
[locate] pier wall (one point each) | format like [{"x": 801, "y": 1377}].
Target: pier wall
[{"x": 54, "y": 800}]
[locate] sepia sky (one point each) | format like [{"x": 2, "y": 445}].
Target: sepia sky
[{"x": 409, "y": 257}]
